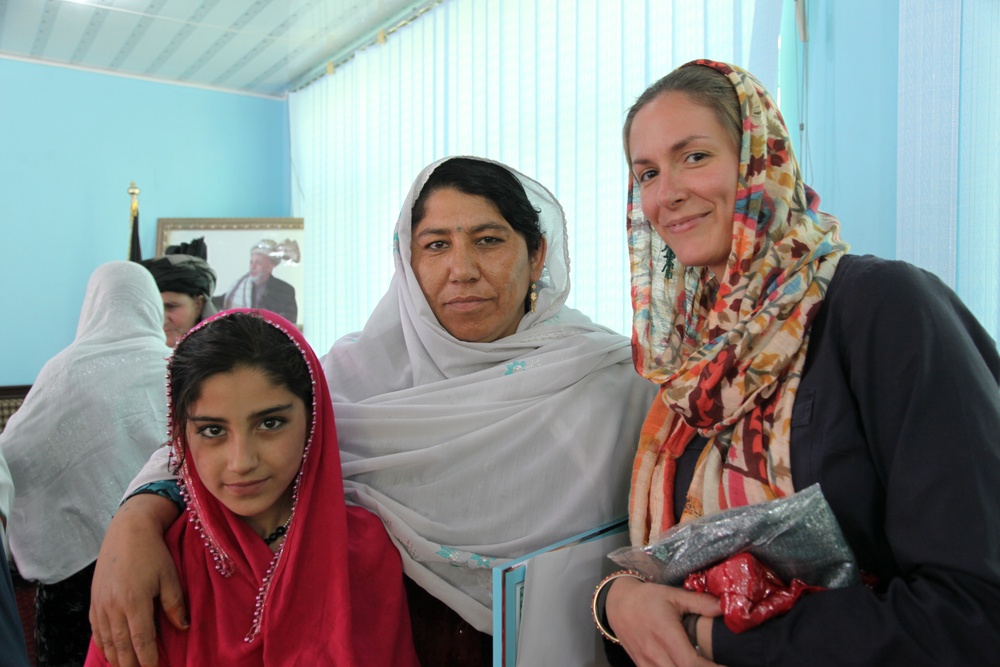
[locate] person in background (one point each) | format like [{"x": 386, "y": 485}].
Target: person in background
[
  {"x": 783, "y": 362},
  {"x": 186, "y": 283},
  {"x": 260, "y": 288},
  {"x": 478, "y": 416},
  {"x": 6, "y": 499},
  {"x": 277, "y": 570},
  {"x": 15, "y": 651},
  {"x": 94, "y": 414}
]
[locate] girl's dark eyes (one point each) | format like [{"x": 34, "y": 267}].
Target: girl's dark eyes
[
  {"x": 211, "y": 431},
  {"x": 646, "y": 175},
  {"x": 489, "y": 240},
  {"x": 271, "y": 423},
  {"x": 696, "y": 157}
]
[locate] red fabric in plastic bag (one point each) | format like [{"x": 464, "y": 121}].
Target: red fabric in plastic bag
[{"x": 749, "y": 591}]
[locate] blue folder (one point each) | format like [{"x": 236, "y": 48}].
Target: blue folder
[{"x": 508, "y": 591}]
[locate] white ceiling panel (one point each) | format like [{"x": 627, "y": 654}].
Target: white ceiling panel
[{"x": 260, "y": 47}]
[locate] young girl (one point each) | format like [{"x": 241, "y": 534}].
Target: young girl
[{"x": 276, "y": 569}]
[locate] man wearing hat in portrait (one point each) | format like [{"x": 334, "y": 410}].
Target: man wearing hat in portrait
[{"x": 259, "y": 288}]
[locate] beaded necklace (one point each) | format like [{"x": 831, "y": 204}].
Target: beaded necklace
[{"x": 278, "y": 532}]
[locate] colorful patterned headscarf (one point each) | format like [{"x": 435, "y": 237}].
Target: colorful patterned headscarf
[{"x": 728, "y": 351}]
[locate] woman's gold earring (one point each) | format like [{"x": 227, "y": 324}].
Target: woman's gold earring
[{"x": 533, "y": 296}]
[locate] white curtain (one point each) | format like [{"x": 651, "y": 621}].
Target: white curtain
[
  {"x": 542, "y": 85},
  {"x": 948, "y": 192}
]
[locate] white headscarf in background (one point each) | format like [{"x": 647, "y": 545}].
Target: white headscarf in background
[
  {"x": 96, "y": 412},
  {"x": 6, "y": 499},
  {"x": 474, "y": 453}
]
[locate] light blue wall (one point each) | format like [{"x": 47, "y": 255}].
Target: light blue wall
[
  {"x": 70, "y": 143},
  {"x": 851, "y": 120}
]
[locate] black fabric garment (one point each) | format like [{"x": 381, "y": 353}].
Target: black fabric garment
[
  {"x": 134, "y": 246},
  {"x": 62, "y": 622},
  {"x": 196, "y": 248},
  {"x": 898, "y": 418},
  {"x": 441, "y": 636},
  {"x": 13, "y": 652},
  {"x": 277, "y": 296}
]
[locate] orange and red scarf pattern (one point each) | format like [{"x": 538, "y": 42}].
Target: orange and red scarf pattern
[{"x": 728, "y": 353}]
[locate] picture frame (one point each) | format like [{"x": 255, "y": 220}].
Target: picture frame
[{"x": 229, "y": 242}]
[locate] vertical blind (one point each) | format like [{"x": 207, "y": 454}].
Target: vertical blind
[
  {"x": 949, "y": 147},
  {"x": 541, "y": 85}
]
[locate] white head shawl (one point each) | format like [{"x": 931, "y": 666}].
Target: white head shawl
[
  {"x": 6, "y": 499},
  {"x": 474, "y": 453},
  {"x": 94, "y": 415}
]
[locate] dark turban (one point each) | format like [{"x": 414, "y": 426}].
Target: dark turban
[
  {"x": 196, "y": 248},
  {"x": 182, "y": 273}
]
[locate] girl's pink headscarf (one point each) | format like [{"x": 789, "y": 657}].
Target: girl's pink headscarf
[{"x": 332, "y": 594}]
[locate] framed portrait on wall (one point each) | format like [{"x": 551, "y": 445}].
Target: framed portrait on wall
[{"x": 257, "y": 261}]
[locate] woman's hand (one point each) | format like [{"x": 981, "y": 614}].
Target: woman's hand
[
  {"x": 646, "y": 618},
  {"x": 134, "y": 567}
]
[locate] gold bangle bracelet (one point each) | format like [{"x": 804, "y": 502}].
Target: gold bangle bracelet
[{"x": 606, "y": 632}]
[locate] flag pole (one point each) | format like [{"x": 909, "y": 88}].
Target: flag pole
[{"x": 134, "y": 249}]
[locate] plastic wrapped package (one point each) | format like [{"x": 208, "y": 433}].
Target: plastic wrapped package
[{"x": 795, "y": 539}]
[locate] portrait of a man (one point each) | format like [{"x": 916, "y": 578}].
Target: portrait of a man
[
  {"x": 257, "y": 261},
  {"x": 259, "y": 287}
]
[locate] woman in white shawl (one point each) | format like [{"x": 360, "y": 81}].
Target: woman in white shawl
[
  {"x": 95, "y": 413},
  {"x": 473, "y": 452},
  {"x": 478, "y": 415}
]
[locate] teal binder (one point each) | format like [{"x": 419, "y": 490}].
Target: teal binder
[{"x": 508, "y": 590}]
